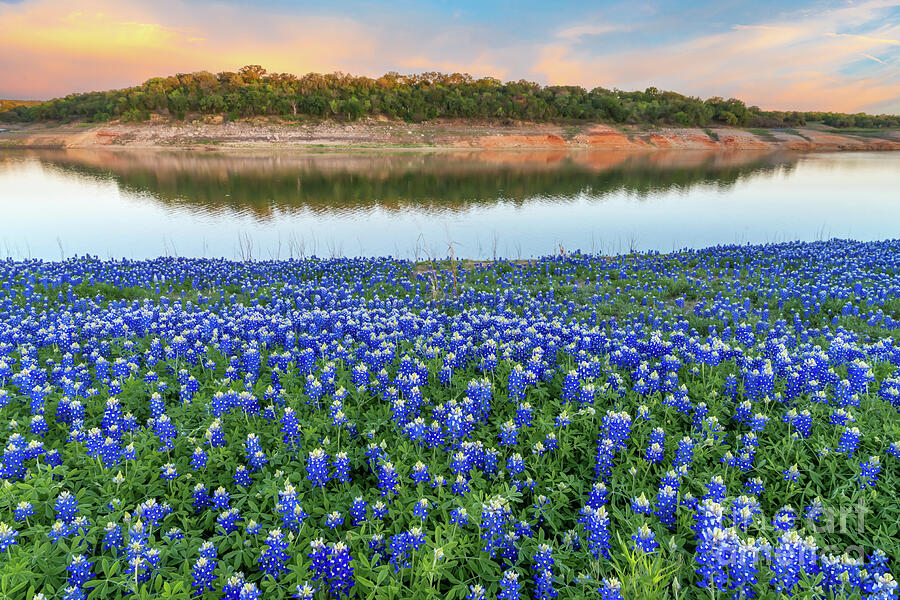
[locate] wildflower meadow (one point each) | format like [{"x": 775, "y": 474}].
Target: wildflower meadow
[{"x": 716, "y": 423}]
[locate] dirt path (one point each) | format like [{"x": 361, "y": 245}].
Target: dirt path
[{"x": 387, "y": 135}]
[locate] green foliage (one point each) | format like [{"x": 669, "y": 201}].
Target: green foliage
[{"x": 253, "y": 91}]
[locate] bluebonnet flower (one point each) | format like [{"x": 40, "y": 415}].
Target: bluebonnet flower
[
  {"x": 166, "y": 432},
  {"x": 8, "y": 536},
  {"x": 715, "y": 489},
  {"x": 641, "y": 505},
  {"x": 509, "y": 432},
  {"x": 39, "y": 425},
  {"x": 618, "y": 427},
  {"x": 610, "y": 589},
  {"x": 398, "y": 549},
  {"x": 79, "y": 571},
  {"x": 242, "y": 477},
  {"x": 339, "y": 571},
  {"x": 305, "y": 591},
  {"x": 459, "y": 516},
  {"x": 208, "y": 550},
  {"x": 334, "y": 519},
  {"x": 256, "y": 458},
  {"x": 221, "y": 499},
  {"x": 596, "y": 528},
  {"x": 420, "y": 473},
  {"x": 249, "y": 591},
  {"x": 23, "y": 511},
  {"x": 586, "y": 394},
  {"x": 228, "y": 520},
  {"x": 273, "y": 559},
  {"x": 598, "y": 495},
  {"x": 814, "y": 510},
  {"x": 655, "y": 446},
  {"x": 460, "y": 486},
  {"x": 784, "y": 519},
  {"x": 792, "y": 473},
  {"x": 494, "y": 518},
  {"x": 849, "y": 440},
  {"x": 319, "y": 554},
  {"x": 168, "y": 471},
  {"x": 288, "y": 506},
  {"x": 358, "y": 510},
  {"x": 870, "y": 469},
  {"x": 894, "y": 450},
  {"x": 509, "y": 586},
  {"x": 544, "y": 578},
  {"x": 387, "y": 478},
  {"x": 420, "y": 509},
  {"x": 645, "y": 540},
  {"x": 684, "y": 456},
  {"x": 341, "y": 467},
  {"x": 379, "y": 510},
  {"x": 66, "y": 507},
  {"x": 743, "y": 509},
  {"x": 792, "y": 558},
  {"x": 214, "y": 434},
  {"x": 708, "y": 517},
  {"x": 666, "y": 505},
  {"x": 754, "y": 486},
  {"x": 758, "y": 422},
  {"x": 524, "y": 415},
  {"x": 73, "y": 593},
  {"x": 727, "y": 563},
  {"x": 517, "y": 383},
  {"x": 606, "y": 451},
  {"x": 113, "y": 539},
  {"x": 232, "y": 588},
  {"x": 203, "y": 575},
  {"x": 550, "y": 442},
  {"x": 515, "y": 464}
]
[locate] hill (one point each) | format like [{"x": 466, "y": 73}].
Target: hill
[{"x": 252, "y": 91}]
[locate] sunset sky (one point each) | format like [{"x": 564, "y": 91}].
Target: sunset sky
[{"x": 787, "y": 55}]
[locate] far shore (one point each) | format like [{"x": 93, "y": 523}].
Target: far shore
[{"x": 383, "y": 135}]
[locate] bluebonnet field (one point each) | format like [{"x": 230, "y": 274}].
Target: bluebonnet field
[{"x": 705, "y": 424}]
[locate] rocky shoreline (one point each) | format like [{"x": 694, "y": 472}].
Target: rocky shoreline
[{"x": 388, "y": 135}]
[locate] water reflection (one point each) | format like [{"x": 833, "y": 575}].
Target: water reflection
[
  {"x": 126, "y": 203},
  {"x": 266, "y": 185}
]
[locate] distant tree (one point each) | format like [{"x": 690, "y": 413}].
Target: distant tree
[{"x": 252, "y": 90}]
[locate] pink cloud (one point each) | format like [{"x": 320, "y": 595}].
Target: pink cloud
[{"x": 795, "y": 64}]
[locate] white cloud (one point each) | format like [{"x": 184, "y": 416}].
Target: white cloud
[{"x": 578, "y": 31}]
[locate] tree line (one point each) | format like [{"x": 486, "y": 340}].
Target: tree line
[{"x": 252, "y": 91}]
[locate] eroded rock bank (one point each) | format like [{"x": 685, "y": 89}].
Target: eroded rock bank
[{"x": 380, "y": 134}]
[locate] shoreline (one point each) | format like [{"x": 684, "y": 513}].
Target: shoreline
[{"x": 432, "y": 136}]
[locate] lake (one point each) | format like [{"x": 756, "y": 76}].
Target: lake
[{"x": 118, "y": 203}]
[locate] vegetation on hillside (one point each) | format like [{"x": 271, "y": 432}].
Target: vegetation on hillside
[
  {"x": 6, "y": 105},
  {"x": 252, "y": 91}
]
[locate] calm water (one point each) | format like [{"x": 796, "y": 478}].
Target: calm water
[{"x": 486, "y": 204}]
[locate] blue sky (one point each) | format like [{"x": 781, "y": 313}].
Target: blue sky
[{"x": 836, "y": 55}]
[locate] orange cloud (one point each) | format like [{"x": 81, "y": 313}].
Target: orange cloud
[{"x": 46, "y": 49}]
